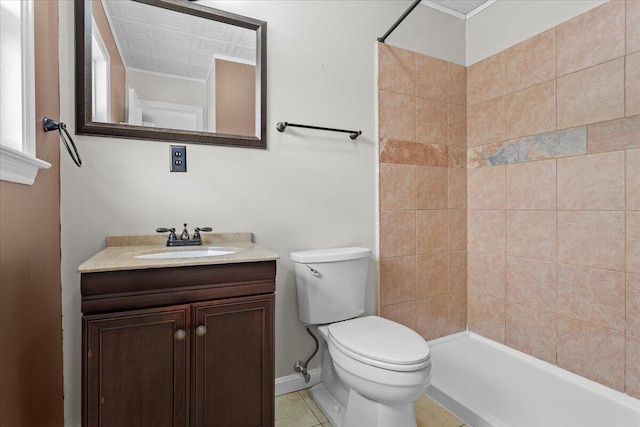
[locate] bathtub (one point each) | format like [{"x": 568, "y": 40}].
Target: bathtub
[{"x": 488, "y": 384}]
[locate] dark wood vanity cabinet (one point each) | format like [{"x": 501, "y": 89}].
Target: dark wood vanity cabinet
[{"x": 188, "y": 346}]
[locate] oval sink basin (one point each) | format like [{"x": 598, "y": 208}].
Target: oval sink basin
[{"x": 196, "y": 253}]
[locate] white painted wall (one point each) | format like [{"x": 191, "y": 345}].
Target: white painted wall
[
  {"x": 161, "y": 88},
  {"x": 308, "y": 190},
  {"x": 508, "y": 22}
]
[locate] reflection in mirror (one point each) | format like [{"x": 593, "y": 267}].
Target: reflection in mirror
[{"x": 169, "y": 68}]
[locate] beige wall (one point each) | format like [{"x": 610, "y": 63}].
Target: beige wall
[
  {"x": 309, "y": 190},
  {"x": 553, "y": 196},
  {"x": 117, "y": 71},
  {"x": 422, "y": 192},
  {"x": 235, "y": 98},
  {"x": 30, "y": 305}
]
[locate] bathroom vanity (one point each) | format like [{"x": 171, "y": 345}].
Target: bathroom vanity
[{"x": 178, "y": 341}]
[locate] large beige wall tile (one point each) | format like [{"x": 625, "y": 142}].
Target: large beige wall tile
[
  {"x": 531, "y": 185},
  {"x": 633, "y": 180},
  {"x": 431, "y": 121},
  {"x": 633, "y": 305},
  {"x": 615, "y": 135},
  {"x": 485, "y": 79},
  {"x": 591, "y": 38},
  {"x": 432, "y": 317},
  {"x": 457, "y": 229},
  {"x": 592, "y": 182},
  {"x": 486, "y": 231},
  {"x": 591, "y": 295},
  {"x": 486, "y": 274},
  {"x": 432, "y": 275},
  {"x": 397, "y": 233},
  {"x": 633, "y": 26},
  {"x": 486, "y": 188},
  {"x": 531, "y": 111},
  {"x": 432, "y": 229},
  {"x": 397, "y": 280},
  {"x": 592, "y": 351},
  {"x": 457, "y": 84},
  {"x": 486, "y": 316},
  {"x": 432, "y": 78},
  {"x": 457, "y": 271},
  {"x": 591, "y": 239},
  {"x": 532, "y": 234},
  {"x": 532, "y": 283},
  {"x": 633, "y": 367},
  {"x": 457, "y": 125},
  {"x": 486, "y": 122},
  {"x": 633, "y": 242},
  {"x": 432, "y": 187},
  {"x": 633, "y": 84},
  {"x": 396, "y": 69},
  {"x": 531, "y": 62},
  {"x": 403, "y": 313},
  {"x": 397, "y": 116},
  {"x": 457, "y": 188},
  {"x": 592, "y": 95},
  {"x": 531, "y": 331},
  {"x": 457, "y": 312},
  {"x": 397, "y": 187}
]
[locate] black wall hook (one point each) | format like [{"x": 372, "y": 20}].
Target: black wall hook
[{"x": 50, "y": 124}]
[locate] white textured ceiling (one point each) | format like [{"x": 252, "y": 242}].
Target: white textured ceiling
[
  {"x": 462, "y": 9},
  {"x": 163, "y": 41}
]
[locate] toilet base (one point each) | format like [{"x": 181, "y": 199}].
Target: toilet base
[
  {"x": 365, "y": 412},
  {"x": 361, "y": 411},
  {"x": 330, "y": 407}
]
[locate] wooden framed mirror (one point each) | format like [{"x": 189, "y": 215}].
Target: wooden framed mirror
[{"x": 170, "y": 70}]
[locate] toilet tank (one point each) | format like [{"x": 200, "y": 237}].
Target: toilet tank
[{"x": 330, "y": 283}]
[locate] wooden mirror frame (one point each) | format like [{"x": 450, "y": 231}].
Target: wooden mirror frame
[{"x": 84, "y": 123}]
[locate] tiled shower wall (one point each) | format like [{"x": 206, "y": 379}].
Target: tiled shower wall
[
  {"x": 554, "y": 196},
  {"x": 423, "y": 192},
  {"x": 553, "y": 207}
]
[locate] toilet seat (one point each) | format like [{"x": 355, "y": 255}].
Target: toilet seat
[{"x": 381, "y": 343}]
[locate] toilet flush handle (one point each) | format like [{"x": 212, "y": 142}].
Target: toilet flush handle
[{"x": 314, "y": 271}]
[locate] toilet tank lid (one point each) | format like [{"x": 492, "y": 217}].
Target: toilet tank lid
[{"x": 330, "y": 254}]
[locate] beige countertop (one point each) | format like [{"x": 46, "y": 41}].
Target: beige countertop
[{"x": 121, "y": 251}]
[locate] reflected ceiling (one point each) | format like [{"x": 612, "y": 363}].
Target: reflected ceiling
[{"x": 163, "y": 41}]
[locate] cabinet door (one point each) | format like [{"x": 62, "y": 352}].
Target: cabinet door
[
  {"x": 232, "y": 371},
  {"x": 135, "y": 368}
]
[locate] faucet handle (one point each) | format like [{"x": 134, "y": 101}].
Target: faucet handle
[
  {"x": 171, "y": 231},
  {"x": 196, "y": 235}
]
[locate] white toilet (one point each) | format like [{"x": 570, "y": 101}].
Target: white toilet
[{"x": 373, "y": 369}]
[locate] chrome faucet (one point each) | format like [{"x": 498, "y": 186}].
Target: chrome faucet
[
  {"x": 184, "y": 237},
  {"x": 185, "y": 233}
]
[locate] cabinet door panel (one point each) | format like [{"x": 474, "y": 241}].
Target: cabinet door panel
[
  {"x": 233, "y": 364},
  {"x": 136, "y": 368}
]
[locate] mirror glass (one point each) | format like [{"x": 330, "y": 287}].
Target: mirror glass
[{"x": 171, "y": 70}]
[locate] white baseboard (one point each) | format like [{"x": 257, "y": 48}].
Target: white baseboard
[{"x": 295, "y": 382}]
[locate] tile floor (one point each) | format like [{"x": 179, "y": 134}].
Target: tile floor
[{"x": 297, "y": 409}]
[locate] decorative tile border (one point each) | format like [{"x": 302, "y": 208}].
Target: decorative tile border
[{"x": 550, "y": 145}]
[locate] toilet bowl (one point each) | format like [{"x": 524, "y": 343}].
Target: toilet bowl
[
  {"x": 373, "y": 369},
  {"x": 378, "y": 369}
]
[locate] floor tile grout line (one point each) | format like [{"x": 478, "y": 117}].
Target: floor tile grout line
[{"x": 309, "y": 407}]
